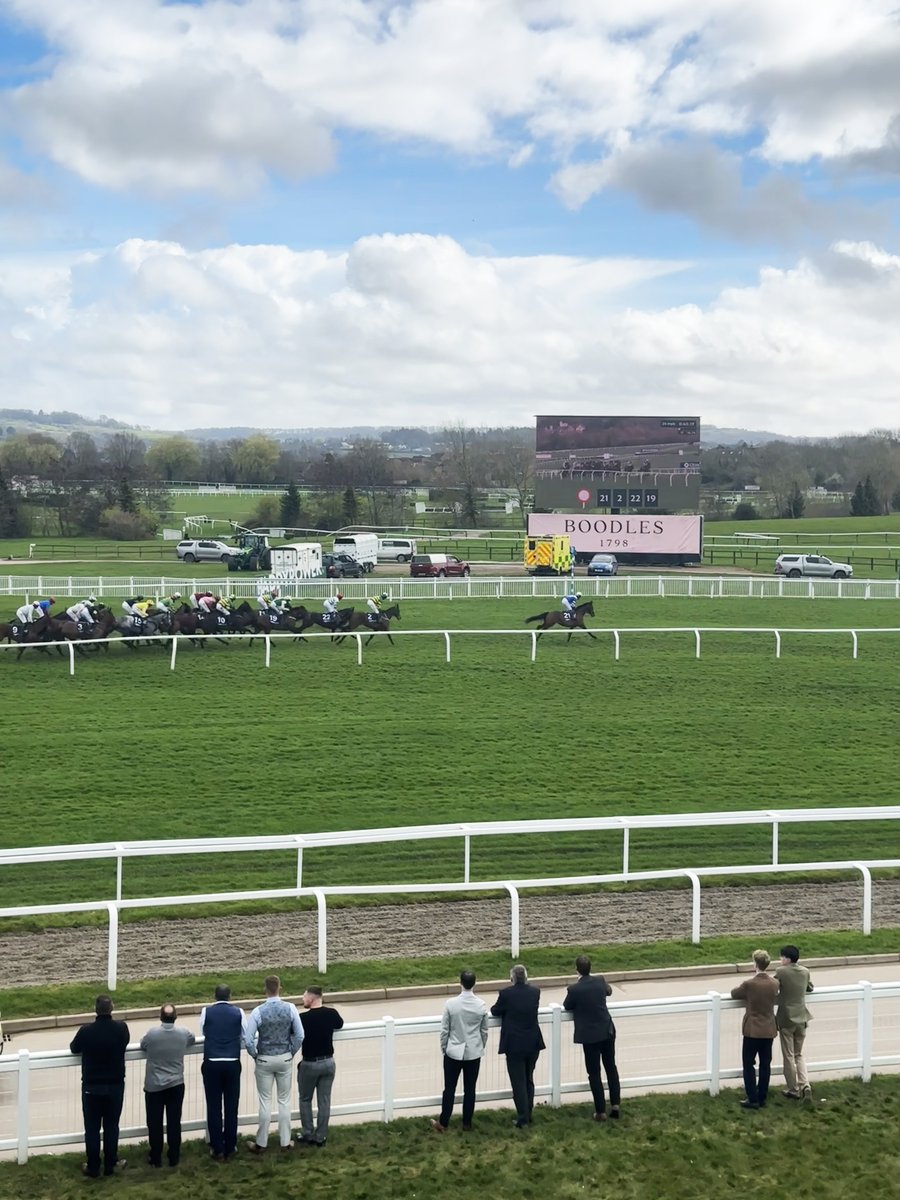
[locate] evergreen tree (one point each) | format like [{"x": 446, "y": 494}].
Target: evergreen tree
[
  {"x": 13, "y": 522},
  {"x": 290, "y": 507},
  {"x": 858, "y": 501},
  {"x": 125, "y": 498},
  {"x": 872, "y": 499},
  {"x": 349, "y": 507}
]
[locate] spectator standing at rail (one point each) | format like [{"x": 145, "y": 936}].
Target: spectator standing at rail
[
  {"x": 596, "y": 1034},
  {"x": 274, "y": 1035},
  {"x": 222, "y": 1025},
  {"x": 316, "y": 1070},
  {"x": 520, "y": 1039},
  {"x": 792, "y": 1018},
  {"x": 102, "y": 1046},
  {"x": 464, "y": 1033},
  {"x": 759, "y": 993},
  {"x": 165, "y": 1047}
]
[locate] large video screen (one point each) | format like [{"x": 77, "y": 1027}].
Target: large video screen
[{"x": 617, "y": 463}]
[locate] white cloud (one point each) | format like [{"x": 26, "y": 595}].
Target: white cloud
[
  {"x": 221, "y": 95},
  {"x": 414, "y": 329}
]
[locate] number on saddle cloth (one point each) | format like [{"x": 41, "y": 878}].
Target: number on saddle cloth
[
  {"x": 373, "y": 618},
  {"x": 273, "y": 618},
  {"x": 221, "y": 619},
  {"x": 17, "y": 630}
]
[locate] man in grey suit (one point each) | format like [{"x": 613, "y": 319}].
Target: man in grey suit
[
  {"x": 520, "y": 1039},
  {"x": 596, "y": 1034},
  {"x": 464, "y": 1031},
  {"x": 791, "y": 1018}
]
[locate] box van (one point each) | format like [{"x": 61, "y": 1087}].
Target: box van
[
  {"x": 361, "y": 546},
  {"x": 300, "y": 560},
  {"x": 396, "y": 549}
]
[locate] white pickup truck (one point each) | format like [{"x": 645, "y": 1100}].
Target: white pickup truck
[{"x": 797, "y": 565}]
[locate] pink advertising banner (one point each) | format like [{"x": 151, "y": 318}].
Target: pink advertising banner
[{"x": 635, "y": 534}]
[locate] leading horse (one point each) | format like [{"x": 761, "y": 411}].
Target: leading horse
[
  {"x": 373, "y": 622},
  {"x": 570, "y": 621}
]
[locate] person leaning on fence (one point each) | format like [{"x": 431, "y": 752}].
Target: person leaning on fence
[
  {"x": 316, "y": 1070},
  {"x": 222, "y": 1025},
  {"x": 596, "y": 1034},
  {"x": 274, "y": 1035},
  {"x": 792, "y": 1018},
  {"x": 464, "y": 1032},
  {"x": 520, "y": 1039},
  {"x": 165, "y": 1047},
  {"x": 102, "y": 1046},
  {"x": 759, "y": 993}
]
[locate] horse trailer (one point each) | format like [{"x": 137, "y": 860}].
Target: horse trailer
[
  {"x": 299, "y": 560},
  {"x": 361, "y": 546}
]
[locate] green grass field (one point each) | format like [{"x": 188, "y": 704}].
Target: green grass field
[
  {"x": 222, "y": 747},
  {"x": 694, "y": 1146}
]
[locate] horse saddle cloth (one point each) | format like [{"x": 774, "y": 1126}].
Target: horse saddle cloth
[
  {"x": 82, "y": 627},
  {"x": 373, "y": 618},
  {"x": 274, "y": 618}
]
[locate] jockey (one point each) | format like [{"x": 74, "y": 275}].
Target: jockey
[
  {"x": 569, "y": 602},
  {"x": 330, "y": 607},
  {"x": 196, "y": 597},
  {"x": 143, "y": 609},
  {"x": 29, "y": 612},
  {"x": 268, "y": 601},
  {"x": 208, "y": 603},
  {"x": 45, "y": 606},
  {"x": 81, "y": 611},
  {"x": 168, "y": 603},
  {"x": 129, "y": 607},
  {"x": 375, "y": 604}
]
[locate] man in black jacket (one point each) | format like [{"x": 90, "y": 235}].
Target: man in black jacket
[
  {"x": 520, "y": 1039},
  {"x": 595, "y": 1033},
  {"x": 102, "y": 1047}
]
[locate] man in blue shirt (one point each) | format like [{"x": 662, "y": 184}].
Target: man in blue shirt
[
  {"x": 274, "y": 1035},
  {"x": 222, "y": 1025}
]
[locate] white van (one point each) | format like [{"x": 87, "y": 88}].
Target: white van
[
  {"x": 300, "y": 560},
  {"x": 363, "y": 547},
  {"x": 396, "y": 549}
]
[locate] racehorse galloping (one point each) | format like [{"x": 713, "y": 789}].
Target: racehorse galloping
[
  {"x": 567, "y": 621},
  {"x": 374, "y": 622},
  {"x": 306, "y": 619}
]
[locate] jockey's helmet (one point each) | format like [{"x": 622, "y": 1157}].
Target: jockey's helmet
[
  {"x": 176, "y": 595},
  {"x": 93, "y": 599},
  {"x": 578, "y": 595},
  {"x": 384, "y": 596},
  {"x": 51, "y": 599},
  {"x": 339, "y": 596}
]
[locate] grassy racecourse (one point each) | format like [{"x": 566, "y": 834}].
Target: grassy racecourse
[{"x": 222, "y": 747}]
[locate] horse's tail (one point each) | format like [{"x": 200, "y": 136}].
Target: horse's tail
[{"x": 538, "y": 617}]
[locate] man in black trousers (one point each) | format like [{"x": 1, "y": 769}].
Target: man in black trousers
[
  {"x": 596, "y": 1034},
  {"x": 520, "y": 1039},
  {"x": 102, "y": 1046},
  {"x": 222, "y": 1025}
]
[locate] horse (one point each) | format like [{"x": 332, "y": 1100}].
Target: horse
[
  {"x": 307, "y": 619},
  {"x": 30, "y": 634},
  {"x": 265, "y": 621},
  {"x": 375, "y": 622},
  {"x": 567, "y": 621}
]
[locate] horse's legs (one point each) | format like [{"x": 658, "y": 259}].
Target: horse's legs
[{"x": 390, "y": 639}]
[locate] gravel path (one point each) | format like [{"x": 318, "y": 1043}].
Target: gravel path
[{"x": 155, "y": 948}]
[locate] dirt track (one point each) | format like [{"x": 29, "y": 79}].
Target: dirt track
[{"x": 156, "y": 948}]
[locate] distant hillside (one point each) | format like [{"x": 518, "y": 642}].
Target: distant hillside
[{"x": 713, "y": 435}]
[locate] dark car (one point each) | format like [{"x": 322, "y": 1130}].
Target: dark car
[{"x": 341, "y": 566}]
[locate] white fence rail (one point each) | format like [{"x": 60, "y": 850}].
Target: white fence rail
[
  {"x": 389, "y": 1066},
  {"x": 474, "y": 587},
  {"x": 447, "y": 635}
]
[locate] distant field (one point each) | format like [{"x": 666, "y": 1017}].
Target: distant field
[{"x": 128, "y": 749}]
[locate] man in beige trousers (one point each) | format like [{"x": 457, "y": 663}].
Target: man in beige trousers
[{"x": 792, "y": 1018}]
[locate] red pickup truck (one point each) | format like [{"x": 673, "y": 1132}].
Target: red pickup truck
[{"x": 437, "y": 566}]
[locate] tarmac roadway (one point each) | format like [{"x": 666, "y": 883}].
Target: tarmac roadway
[{"x": 646, "y": 1047}]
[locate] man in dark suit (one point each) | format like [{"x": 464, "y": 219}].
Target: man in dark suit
[
  {"x": 520, "y": 1039},
  {"x": 759, "y": 994},
  {"x": 596, "y": 1034}
]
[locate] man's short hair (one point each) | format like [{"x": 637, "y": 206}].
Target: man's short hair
[
  {"x": 467, "y": 979},
  {"x": 103, "y": 1006},
  {"x": 167, "y": 1014},
  {"x": 583, "y": 964},
  {"x": 790, "y": 952},
  {"x": 273, "y": 983},
  {"x": 314, "y": 990},
  {"x": 223, "y": 991},
  {"x": 762, "y": 959},
  {"x": 518, "y": 974}
]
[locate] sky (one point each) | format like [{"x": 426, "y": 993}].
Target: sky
[{"x": 290, "y": 213}]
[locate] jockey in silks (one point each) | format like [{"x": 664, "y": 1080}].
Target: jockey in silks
[
  {"x": 29, "y": 613},
  {"x": 82, "y": 611},
  {"x": 129, "y": 607},
  {"x": 211, "y": 604},
  {"x": 375, "y": 605},
  {"x": 569, "y": 603},
  {"x": 330, "y": 608},
  {"x": 168, "y": 603},
  {"x": 45, "y": 606},
  {"x": 142, "y": 610},
  {"x": 196, "y": 597},
  {"x": 268, "y": 601}
]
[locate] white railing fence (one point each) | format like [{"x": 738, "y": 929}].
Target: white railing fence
[
  {"x": 446, "y": 635},
  {"x": 474, "y": 587},
  {"x": 389, "y": 1066}
]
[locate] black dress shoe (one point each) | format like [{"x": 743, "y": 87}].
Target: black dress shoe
[
  {"x": 521, "y": 1122},
  {"x": 749, "y": 1104}
]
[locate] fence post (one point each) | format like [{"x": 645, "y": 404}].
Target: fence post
[
  {"x": 174, "y": 652},
  {"x": 615, "y": 634},
  {"x": 697, "y": 642},
  {"x": 777, "y": 643},
  {"x": 299, "y": 840},
  {"x": 71, "y": 658},
  {"x": 695, "y": 906},
  {"x": 23, "y": 1104},
  {"x": 119, "y": 848},
  {"x": 775, "y": 832},
  {"x": 447, "y": 642},
  {"x": 864, "y": 1030},
  {"x": 321, "y": 931},
  {"x": 555, "y": 1055},
  {"x": 626, "y": 848},
  {"x": 467, "y": 857},
  {"x": 268, "y": 642},
  {"x": 714, "y": 1041},
  {"x": 388, "y": 1061},
  {"x": 112, "y": 962},
  {"x": 855, "y": 643},
  {"x": 533, "y": 646},
  {"x": 513, "y": 920},
  {"x": 867, "y": 897},
  {"x": 358, "y": 637}
]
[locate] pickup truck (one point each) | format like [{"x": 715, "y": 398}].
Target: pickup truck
[
  {"x": 811, "y": 565},
  {"x": 437, "y": 566}
]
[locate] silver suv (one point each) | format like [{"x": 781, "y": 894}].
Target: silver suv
[
  {"x": 204, "y": 550},
  {"x": 795, "y": 565}
]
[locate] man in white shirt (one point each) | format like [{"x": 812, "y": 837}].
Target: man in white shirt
[{"x": 464, "y": 1031}]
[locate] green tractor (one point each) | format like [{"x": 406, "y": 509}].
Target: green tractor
[{"x": 254, "y": 555}]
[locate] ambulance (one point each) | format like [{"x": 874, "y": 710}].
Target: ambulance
[{"x": 551, "y": 555}]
